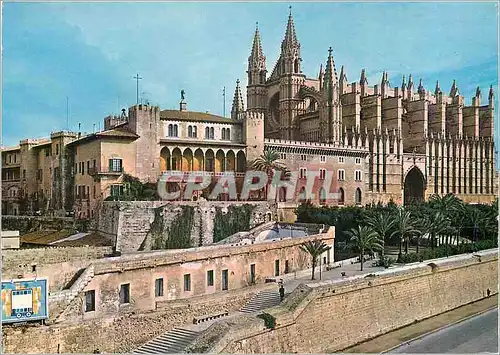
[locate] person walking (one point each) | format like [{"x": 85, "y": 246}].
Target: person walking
[{"x": 282, "y": 291}]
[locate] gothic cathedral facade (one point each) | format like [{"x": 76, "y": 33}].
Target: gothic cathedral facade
[{"x": 412, "y": 143}]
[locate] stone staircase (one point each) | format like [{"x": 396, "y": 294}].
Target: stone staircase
[
  {"x": 172, "y": 342},
  {"x": 262, "y": 300},
  {"x": 69, "y": 295}
]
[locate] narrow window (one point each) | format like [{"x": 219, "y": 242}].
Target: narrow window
[
  {"x": 228, "y": 134},
  {"x": 212, "y": 135},
  {"x": 90, "y": 301},
  {"x": 276, "y": 268},
  {"x": 187, "y": 282},
  {"x": 207, "y": 133},
  {"x": 159, "y": 287},
  {"x": 194, "y": 132},
  {"x": 286, "y": 267},
  {"x": 210, "y": 278},
  {"x": 252, "y": 273},
  {"x": 225, "y": 280},
  {"x": 125, "y": 294}
]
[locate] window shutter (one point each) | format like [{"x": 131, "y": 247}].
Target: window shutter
[{"x": 110, "y": 164}]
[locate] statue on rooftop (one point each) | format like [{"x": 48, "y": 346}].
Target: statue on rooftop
[{"x": 183, "y": 94}]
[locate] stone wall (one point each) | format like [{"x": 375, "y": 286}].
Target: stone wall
[
  {"x": 132, "y": 222},
  {"x": 123, "y": 333},
  {"x": 59, "y": 264},
  {"x": 333, "y": 315},
  {"x": 141, "y": 270}
]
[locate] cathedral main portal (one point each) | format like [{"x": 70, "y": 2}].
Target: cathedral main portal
[{"x": 414, "y": 186}]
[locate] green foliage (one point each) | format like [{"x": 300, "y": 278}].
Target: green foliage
[
  {"x": 179, "y": 232},
  {"x": 448, "y": 250},
  {"x": 314, "y": 248},
  {"x": 135, "y": 190},
  {"x": 363, "y": 240},
  {"x": 269, "y": 320},
  {"x": 236, "y": 219}
]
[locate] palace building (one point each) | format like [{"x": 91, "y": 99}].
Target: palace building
[{"x": 381, "y": 142}]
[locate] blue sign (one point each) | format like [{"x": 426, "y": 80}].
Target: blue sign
[{"x": 25, "y": 300}]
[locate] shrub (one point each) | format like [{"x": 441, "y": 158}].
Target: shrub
[{"x": 269, "y": 320}]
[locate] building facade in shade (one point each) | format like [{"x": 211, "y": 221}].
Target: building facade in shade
[{"x": 380, "y": 143}]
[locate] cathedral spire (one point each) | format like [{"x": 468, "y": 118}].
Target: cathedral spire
[
  {"x": 290, "y": 40},
  {"x": 437, "y": 91},
  {"x": 403, "y": 83},
  {"x": 256, "y": 47},
  {"x": 320, "y": 76},
  {"x": 362, "y": 79},
  {"x": 454, "y": 90},
  {"x": 330, "y": 71},
  {"x": 238, "y": 107},
  {"x": 491, "y": 94},
  {"x": 385, "y": 78},
  {"x": 421, "y": 89},
  {"x": 478, "y": 92}
]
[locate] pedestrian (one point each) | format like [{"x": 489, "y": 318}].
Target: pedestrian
[{"x": 282, "y": 291}]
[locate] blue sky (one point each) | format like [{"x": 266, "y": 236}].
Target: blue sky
[{"x": 90, "y": 52}]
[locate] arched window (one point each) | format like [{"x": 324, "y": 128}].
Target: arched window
[
  {"x": 170, "y": 130},
  {"x": 341, "y": 196},
  {"x": 322, "y": 196},
  {"x": 228, "y": 134},
  {"x": 223, "y": 134},
  {"x": 195, "y": 134},
  {"x": 358, "y": 196},
  {"x": 296, "y": 66},
  {"x": 207, "y": 133},
  {"x": 190, "y": 131},
  {"x": 212, "y": 135},
  {"x": 176, "y": 130}
]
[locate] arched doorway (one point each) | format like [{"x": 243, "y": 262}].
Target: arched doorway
[
  {"x": 322, "y": 196},
  {"x": 414, "y": 186},
  {"x": 341, "y": 196}
]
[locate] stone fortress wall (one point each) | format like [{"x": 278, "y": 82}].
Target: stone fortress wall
[
  {"x": 131, "y": 222},
  {"x": 146, "y": 315},
  {"x": 330, "y": 316}
]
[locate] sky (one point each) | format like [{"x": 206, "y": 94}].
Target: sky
[{"x": 90, "y": 52}]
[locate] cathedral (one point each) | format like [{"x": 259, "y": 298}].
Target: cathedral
[{"x": 399, "y": 143}]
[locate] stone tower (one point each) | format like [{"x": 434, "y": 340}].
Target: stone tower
[
  {"x": 253, "y": 128},
  {"x": 330, "y": 113},
  {"x": 256, "y": 89},
  {"x": 288, "y": 74}
]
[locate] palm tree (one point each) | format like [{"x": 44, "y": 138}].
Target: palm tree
[
  {"x": 434, "y": 224},
  {"x": 268, "y": 163},
  {"x": 363, "y": 239},
  {"x": 314, "y": 248},
  {"x": 405, "y": 227},
  {"x": 381, "y": 224}
]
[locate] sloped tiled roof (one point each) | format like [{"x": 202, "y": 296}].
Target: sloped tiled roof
[
  {"x": 194, "y": 116},
  {"x": 120, "y": 131}
]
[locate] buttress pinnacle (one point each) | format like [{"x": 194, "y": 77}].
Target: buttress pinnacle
[
  {"x": 256, "y": 47},
  {"x": 290, "y": 39},
  {"x": 238, "y": 106}
]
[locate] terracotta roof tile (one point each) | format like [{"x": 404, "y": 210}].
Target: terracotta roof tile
[{"x": 194, "y": 116}]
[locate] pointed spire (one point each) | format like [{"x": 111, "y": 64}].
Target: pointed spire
[
  {"x": 403, "y": 83},
  {"x": 238, "y": 106},
  {"x": 321, "y": 73},
  {"x": 410, "y": 81},
  {"x": 454, "y": 90},
  {"x": 257, "y": 46},
  {"x": 385, "y": 78},
  {"x": 362, "y": 79},
  {"x": 330, "y": 71},
  {"x": 437, "y": 91},
  {"x": 421, "y": 90},
  {"x": 491, "y": 94},
  {"x": 290, "y": 39},
  {"x": 343, "y": 76},
  {"x": 478, "y": 92}
]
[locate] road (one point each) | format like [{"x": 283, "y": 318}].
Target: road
[{"x": 478, "y": 334}]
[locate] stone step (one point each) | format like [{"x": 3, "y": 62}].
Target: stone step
[
  {"x": 174, "y": 341},
  {"x": 262, "y": 300}
]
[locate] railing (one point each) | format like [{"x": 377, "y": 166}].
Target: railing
[{"x": 97, "y": 171}]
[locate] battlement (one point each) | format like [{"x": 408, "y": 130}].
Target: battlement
[
  {"x": 34, "y": 141},
  {"x": 304, "y": 144},
  {"x": 63, "y": 134},
  {"x": 144, "y": 108}
]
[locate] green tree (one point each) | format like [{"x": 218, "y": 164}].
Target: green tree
[
  {"x": 314, "y": 248},
  {"x": 363, "y": 239},
  {"x": 268, "y": 163},
  {"x": 434, "y": 224},
  {"x": 405, "y": 228},
  {"x": 382, "y": 224}
]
